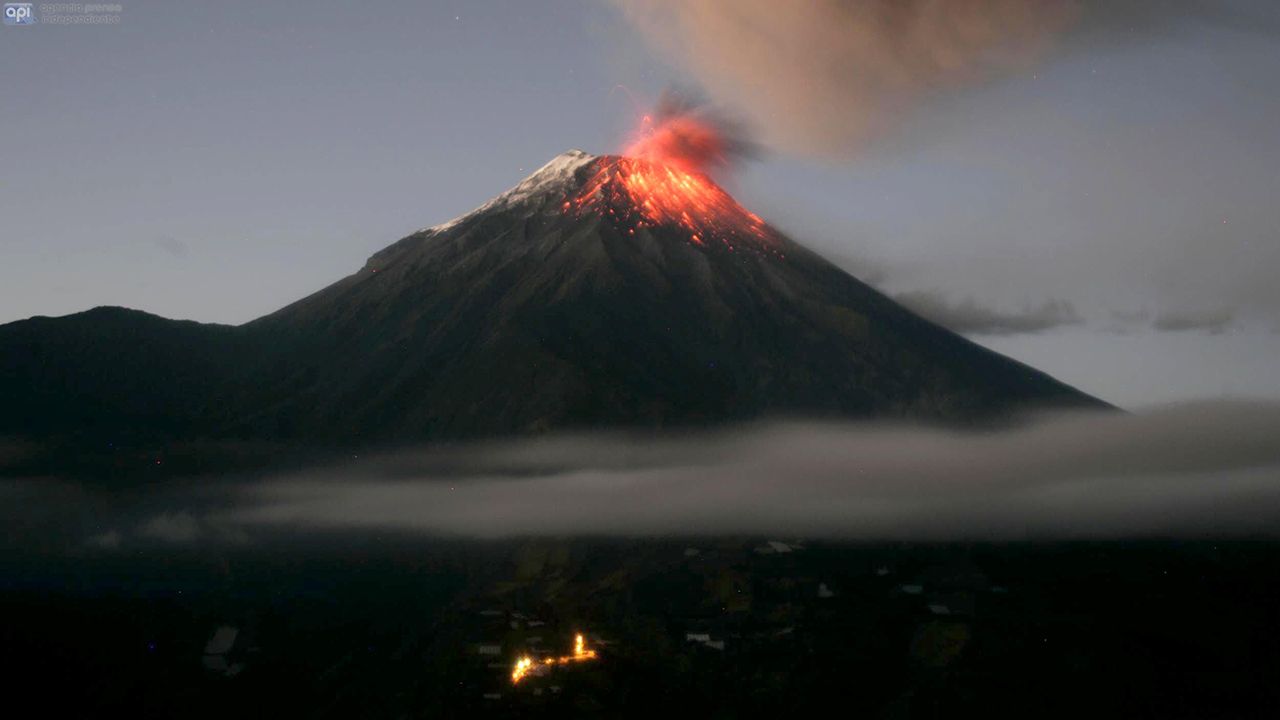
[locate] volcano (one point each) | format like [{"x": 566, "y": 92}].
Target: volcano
[{"x": 599, "y": 292}]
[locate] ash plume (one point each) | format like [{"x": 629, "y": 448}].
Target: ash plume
[
  {"x": 689, "y": 133},
  {"x": 822, "y": 77}
]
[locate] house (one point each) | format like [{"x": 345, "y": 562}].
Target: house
[
  {"x": 952, "y": 603},
  {"x": 705, "y": 640},
  {"x": 774, "y": 547},
  {"x": 217, "y": 650},
  {"x": 222, "y": 641},
  {"x": 956, "y": 575}
]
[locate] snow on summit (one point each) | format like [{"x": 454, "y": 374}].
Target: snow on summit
[{"x": 557, "y": 175}]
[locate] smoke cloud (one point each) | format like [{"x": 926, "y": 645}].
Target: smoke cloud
[
  {"x": 1209, "y": 468},
  {"x": 822, "y": 77},
  {"x": 690, "y": 134}
]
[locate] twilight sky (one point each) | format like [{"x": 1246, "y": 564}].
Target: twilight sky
[{"x": 1103, "y": 207}]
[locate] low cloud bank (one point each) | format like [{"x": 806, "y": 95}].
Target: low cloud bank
[
  {"x": 968, "y": 317},
  {"x": 1214, "y": 321},
  {"x": 1194, "y": 470},
  {"x": 1211, "y": 321}
]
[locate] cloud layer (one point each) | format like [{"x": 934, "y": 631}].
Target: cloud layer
[{"x": 1204, "y": 469}]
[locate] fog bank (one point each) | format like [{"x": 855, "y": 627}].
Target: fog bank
[{"x": 1197, "y": 469}]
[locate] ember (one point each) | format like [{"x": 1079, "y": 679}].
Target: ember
[{"x": 521, "y": 669}]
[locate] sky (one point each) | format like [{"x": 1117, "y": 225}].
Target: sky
[{"x": 1102, "y": 205}]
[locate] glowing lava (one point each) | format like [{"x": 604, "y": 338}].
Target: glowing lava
[
  {"x": 525, "y": 665},
  {"x": 662, "y": 180},
  {"x": 639, "y": 194},
  {"x": 521, "y": 669}
]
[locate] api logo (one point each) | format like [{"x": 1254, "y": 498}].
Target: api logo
[{"x": 18, "y": 14}]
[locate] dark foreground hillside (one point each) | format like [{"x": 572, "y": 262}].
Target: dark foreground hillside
[{"x": 390, "y": 627}]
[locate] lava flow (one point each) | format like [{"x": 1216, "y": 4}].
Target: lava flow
[
  {"x": 525, "y": 666},
  {"x": 662, "y": 180}
]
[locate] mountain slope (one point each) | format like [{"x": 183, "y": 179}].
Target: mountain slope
[{"x": 598, "y": 292}]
